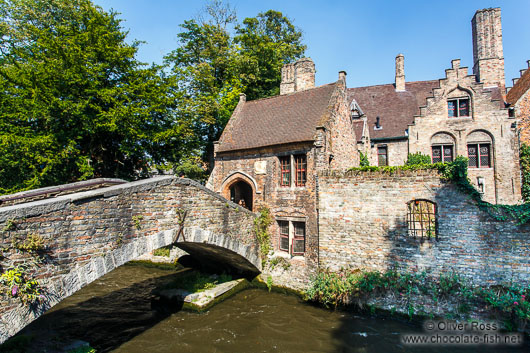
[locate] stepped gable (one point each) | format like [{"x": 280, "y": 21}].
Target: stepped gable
[
  {"x": 277, "y": 120},
  {"x": 521, "y": 86},
  {"x": 396, "y": 109}
]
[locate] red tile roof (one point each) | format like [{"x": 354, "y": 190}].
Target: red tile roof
[
  {"x": 395, "y": 109},
  {"x": 277, "y": 120},
  {"x": 517, "y": 91}
]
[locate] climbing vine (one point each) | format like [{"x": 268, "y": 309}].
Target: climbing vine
[
  {"x": 456, "y": 172},
  {"x": 261, "y": 229}
]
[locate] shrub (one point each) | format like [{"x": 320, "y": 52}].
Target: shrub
[{"x": 418, "y": 158}]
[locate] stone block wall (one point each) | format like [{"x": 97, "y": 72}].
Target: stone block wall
[
  {"x": 88, "y": 234},
  {"x": 363, "y": 224}
]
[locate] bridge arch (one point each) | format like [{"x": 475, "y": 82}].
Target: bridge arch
[{"x": 102, "y": 229}]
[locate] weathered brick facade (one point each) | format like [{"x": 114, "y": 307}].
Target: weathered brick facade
[
  {"x": 330, "y": 144},
  {"x": 518, "y": 98},
  {"x": 89, "y": 234},
  {"x": 486, "y": 123},
  {"x": 460, "y": 114},
  {"x": 363, "y": 224}
]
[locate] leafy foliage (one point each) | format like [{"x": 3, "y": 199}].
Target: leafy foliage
[
  {"x": 418, "y": 158},
  {"x": 456, "y": 172},
  {"x": 75, "y": 101},
  {"x": 261, "y": 229},
  {"x": 363, "y": 160},
  {"x": 266, "y": 42},
  {"x": 16, "y": 283},
  {"x": 212, "y": 67}
]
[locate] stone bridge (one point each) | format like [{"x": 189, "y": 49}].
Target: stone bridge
[{"x": 88, "y": 234}]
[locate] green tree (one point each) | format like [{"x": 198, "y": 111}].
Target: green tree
[
  {"x": 266, "y": 42},
  {"x": 213, "y": 67},
  {"x": 76, "y": 103}
]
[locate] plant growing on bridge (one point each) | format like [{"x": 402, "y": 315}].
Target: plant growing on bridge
[
  {"x": 17, "y": 283},
  {"x": 33, "y": 244},
  {"x": 9, "y": 225},
  {"x": 136, "y": 220},
  {"x": 261, "y": 229}
]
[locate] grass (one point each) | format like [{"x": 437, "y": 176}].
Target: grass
[{"x": 195, "y": 282}]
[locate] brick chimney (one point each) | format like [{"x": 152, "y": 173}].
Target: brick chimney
[
  {"x": 298, "y": 76},
  {"x": 488, "y": 57},
  {"x": 400, "y": 73}
]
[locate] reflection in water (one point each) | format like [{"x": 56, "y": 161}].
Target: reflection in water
[{"x": 114, "y": 314}]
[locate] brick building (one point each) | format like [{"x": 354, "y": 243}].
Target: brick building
[
  {"x": 272, "y": 150},
  {"x": 518, "y": 98},
  {"x": 459, "y": 114}
]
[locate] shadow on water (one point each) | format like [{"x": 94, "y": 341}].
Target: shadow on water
[{"x": 106, "y": 313}]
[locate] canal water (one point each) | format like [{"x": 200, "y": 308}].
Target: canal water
[{"x": 114, "y": 314}]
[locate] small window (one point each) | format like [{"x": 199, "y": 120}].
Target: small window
[
  {"x": 285, "y": 171},
  {"x": 299, "y": 238},
  {"x": 458, "y": 107},
  {"x": 479, "y": 155},
  {"x": 284, "y": 235},
  {"x": 382, "y": 156},
  {"x": 442, "y": 153},
  {"x": 300, "y": 164},
  {"x": 421, "y": 219}
]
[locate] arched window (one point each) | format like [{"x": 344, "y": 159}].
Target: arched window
[
  {"x": 479, "y": 151},
  {"x": 442, "y": 147},
  {"x": 458, "y": 104},
  {"x": 421, "y": 219}
]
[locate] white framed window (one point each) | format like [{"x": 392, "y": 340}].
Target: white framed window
[{"x": 292, "y": 236}]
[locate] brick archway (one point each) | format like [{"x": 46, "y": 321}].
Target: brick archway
[{"x": 239, "y": 186}]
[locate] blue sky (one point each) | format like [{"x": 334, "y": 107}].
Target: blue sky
[{"x": 360, "y": 37}]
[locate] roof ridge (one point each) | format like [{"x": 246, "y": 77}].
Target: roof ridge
[
  {"x": 292, "y": 93},
  {"x": 392, "y": 84}
]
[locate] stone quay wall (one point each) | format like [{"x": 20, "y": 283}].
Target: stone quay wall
[
  {"x": 88, "y": 234},
  {"x": 363, "y": 224}
]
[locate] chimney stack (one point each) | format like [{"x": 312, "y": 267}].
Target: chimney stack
[
  {"x": 400, "y": 73},
  {"x": 488, "y": 57},
  {"x": 298, "y": 76}
]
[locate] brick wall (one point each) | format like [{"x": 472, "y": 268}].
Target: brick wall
[
  {"x": 487, "y": 116},
  {"x": 362, "y": 223},
  {"x": 88, "y": 234},
  {"x": 522, "y": 112}
]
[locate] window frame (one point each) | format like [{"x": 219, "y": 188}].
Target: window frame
[
  {"x": 385, "y": 148},
  {"x": 431, "y": 219},
  {"x": 479, "y": 156},
  {"x": 457, "y": 107},
  {"x": 293, "y": 235},
  {"x": 283, "y": 235},
  {"x": 300, "y": 168},
  {"x": 285, "y": 170},
  {"x": 442, "y": 152},
  {"x": 298, "y": 237}
]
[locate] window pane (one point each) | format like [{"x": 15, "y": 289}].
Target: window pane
[
  {"x": 421, "y": 219},
  {"x": 285, "y": 171},
  {"x": 436, "y": 154},
  {"x": 472, "y": 155},
  {"x": 485, "y": 156},
  {"x": 299, "y": 238},
  {"x": 463, "y": 107},
  {"x": 448, "y": 153},
  {"x": 451, "y": 108},
  {"x": 301, "y": 170},
  {"x": 299, "y": 229},
  {"x": 284, "y": 235},
  {"x": 382, "y": 156},
  {"x": 299, "y": 246}
]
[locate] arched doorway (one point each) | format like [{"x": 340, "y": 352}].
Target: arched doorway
[{"x": 241, "y": 193}]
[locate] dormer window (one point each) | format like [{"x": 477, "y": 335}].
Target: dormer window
[{"x": 458, "y": 107}]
